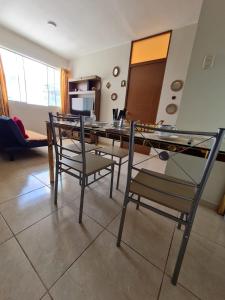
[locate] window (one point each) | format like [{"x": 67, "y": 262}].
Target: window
[
  {"x": 150, "y": 48},
  {"x": 30, "y": 81}
]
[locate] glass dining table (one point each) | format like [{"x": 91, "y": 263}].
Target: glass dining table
[{"x": 185, "y": 144}]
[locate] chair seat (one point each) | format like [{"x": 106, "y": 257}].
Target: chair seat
[
  {"x": 94, "y": 163},
  {"x": 115, "y": 151},
  {"x": 77, "y": 147},
  {"x": 145, "y": 181}
]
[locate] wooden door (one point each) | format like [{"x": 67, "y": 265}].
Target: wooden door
[
  {"x": 145, "y": 84},
  {"x": 146, "y": 72}
]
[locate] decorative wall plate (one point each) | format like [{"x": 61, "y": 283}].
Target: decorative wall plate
[
  {"x": 177, "y": 85},
  {"x": 114, "y": 96},
  {"x": 116, "y": 71},
  {"x": 171, "y": 109},
  {"x": 123, "y": 83}
]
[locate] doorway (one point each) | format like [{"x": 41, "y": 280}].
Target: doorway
[{"x": 146, "y": 72}]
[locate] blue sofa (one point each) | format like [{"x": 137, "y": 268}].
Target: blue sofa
[{"x": 12, "y": 141}]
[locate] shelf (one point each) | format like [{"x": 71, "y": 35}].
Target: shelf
[{"x": 82, "y": 93}]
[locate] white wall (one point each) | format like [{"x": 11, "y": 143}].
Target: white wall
[
  {"x": 17, "y": 43},
  {"x": 33, "y": 116},
  {"x": 176, "y": 68},
  {"x": 203, "y": 103},
  {"x": 102, "y": 63}
]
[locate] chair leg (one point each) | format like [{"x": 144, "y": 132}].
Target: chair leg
[
  {"x": 82, "y": 197},
  {"x": 56, "y": 183},
  {"x": 60, "y": 142},
  {"x": 98, "y": 153},
  {"x": 80, "y": 180},
  {"x": 179, "y": 223},
  {"x": 11, "y": 156},
  {"x": 138, "y": 199},
  {"x": 118, "y": 176},
  {"x": 122, "y": 219},
  {"x": 111, "y": 185},
  {"x": 181, "y": 253}
]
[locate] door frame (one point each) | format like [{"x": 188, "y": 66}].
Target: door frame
[{"x": 146, "y": 62}]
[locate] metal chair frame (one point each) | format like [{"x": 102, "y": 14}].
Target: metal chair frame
[
  {"x": 61, "y": 166},
  {"x": 100, "y": 151},
  {"x": 185, "y": 219}
]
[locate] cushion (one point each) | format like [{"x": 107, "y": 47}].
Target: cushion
[
  {"x": 35, "y": 136},
  {"x": 19, "y": 123}
]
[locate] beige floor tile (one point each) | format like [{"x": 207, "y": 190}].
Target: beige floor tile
[
  {"x": 107, "y": 272},
  {"x": 103, "y": 185},
  {"x": 43, "y": 176},
  {"x": 13, "y": 186},
  {"x": 5, "y": 232},
  {"x": 147, "y": 232},
  {"x": 56, "y": 241},
  {"x": 210, "y": 225},
  {"x": 25, "y": 163},
  {"x": 171, "y": 292},
  {"x": 69, "y": 187},
  {"x": 18, "y": 279},
  {"x": 203, "y": 269},
  {"x": 98, "y": 206},
  {"x": 27, "y": 209}
]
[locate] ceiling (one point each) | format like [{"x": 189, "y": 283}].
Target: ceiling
[{"x": 86, "y": 26}]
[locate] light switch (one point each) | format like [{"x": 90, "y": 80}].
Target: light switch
[{"x": 208, "y": 62}]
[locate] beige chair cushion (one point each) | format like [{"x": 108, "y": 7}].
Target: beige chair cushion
[
  {"x": 115, "y": 151},
  {"x": 143, "y": 182},
  {"x": 94, "y": 163}
]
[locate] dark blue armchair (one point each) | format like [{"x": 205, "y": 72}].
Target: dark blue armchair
[{"x": 12, "y": 141}]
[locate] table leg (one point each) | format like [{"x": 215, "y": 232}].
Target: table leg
[
  {"x": 221, "y": 209},
  {"x": 50, "y": 153}
]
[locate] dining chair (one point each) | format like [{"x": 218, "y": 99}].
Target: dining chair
[
  {"x": 68, "y": 135},
  {"x": 79, "y": 163},
  {"x": 177, "y": 194},
  {"x": 114, "y": 152}
]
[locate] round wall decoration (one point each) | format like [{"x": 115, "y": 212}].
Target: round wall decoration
[
  {"x": 171, "y": 109},
  {"x": 114, "y": 96},
  {"x": 116, "y": 71},
  {"x": 123, "y": 83},
  {"x": 177, "y": 85}
]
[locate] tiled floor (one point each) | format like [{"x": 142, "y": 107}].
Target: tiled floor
[{"x": 45, "y": 253}]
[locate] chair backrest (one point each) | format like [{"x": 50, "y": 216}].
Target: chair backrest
[
  {"x": 10, "y": 134},
  {"x": 76, "y": 123},
  {"x": 216, "y": 137}
]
